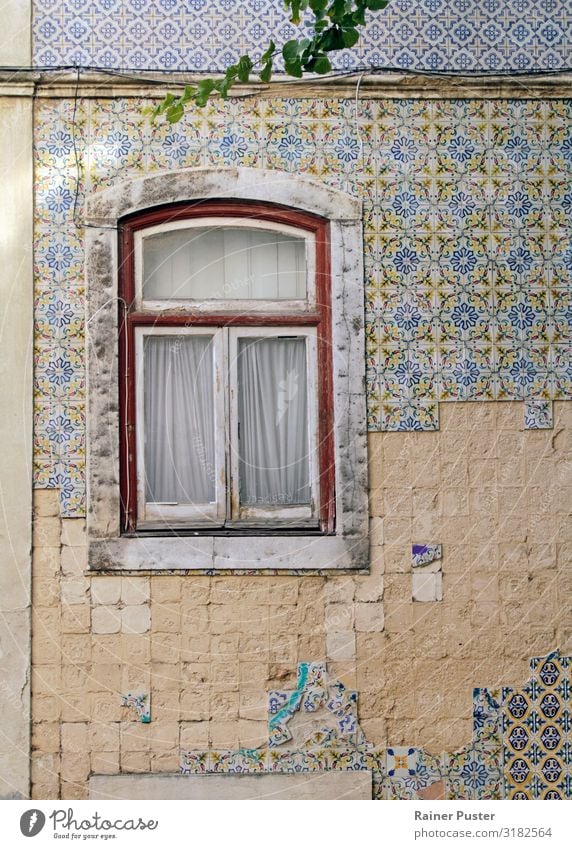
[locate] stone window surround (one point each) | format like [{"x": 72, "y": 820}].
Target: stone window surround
[{"x": 347, "y": 548}]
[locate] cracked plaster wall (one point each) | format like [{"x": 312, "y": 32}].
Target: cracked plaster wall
[{"x": 207, "y": 649}]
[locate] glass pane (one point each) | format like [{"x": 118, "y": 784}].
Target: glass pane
[
  {"x": 224, "y": 263},
  {"x": 274, "y": 466},
  {"x": 179, "y": 419}
]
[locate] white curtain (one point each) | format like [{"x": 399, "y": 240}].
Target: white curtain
[
  {"x": 179, "y": 419},
  {"x": 273, "y": 417},
  {"x": 224, "y": 263}
]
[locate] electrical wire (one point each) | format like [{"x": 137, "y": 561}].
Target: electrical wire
[{"x": 138, "y": 75}]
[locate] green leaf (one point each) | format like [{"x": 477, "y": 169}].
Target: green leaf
[
  {"x": 375, "y": 5},
  {"x": 337, "y": 10},
  {"x": 205, "y": 88},
  {"x": 291, "y": 49},
  {"x": 266, "y": 73},
  {"x": 318, "y": 5},
  {"x": 319, "y": 65},
  {"x": 350, "y": 36},
  {"x": 296, "y": 6},
  {"x": 175, "y": 113},
  {"x": 268, "y": 53},
  {"x": 332, "y": 39},
  {"x": 244, "y": 68},
  {"x": 294, "y": 67},
  {"x": 222, "y": 86}
]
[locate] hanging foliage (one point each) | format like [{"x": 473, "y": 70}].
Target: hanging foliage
[{"x": 333, "y": 25}]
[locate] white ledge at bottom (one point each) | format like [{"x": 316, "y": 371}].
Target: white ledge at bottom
[{"x": 189, "y": 553}]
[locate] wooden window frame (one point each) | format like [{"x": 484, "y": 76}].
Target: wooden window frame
[{"x": 133, "y": 314}]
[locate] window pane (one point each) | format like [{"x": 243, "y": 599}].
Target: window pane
[
  {"x": 224, "y": 263},
  {"x": 179, "y": 419},
  {"x": 273, "y": 419}
]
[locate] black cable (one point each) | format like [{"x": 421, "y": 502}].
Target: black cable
[{"x": 137, "y": 75}]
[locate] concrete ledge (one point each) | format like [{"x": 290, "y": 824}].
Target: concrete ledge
[
  {"x": 150, "y": 554},
  {"x": 336, "y": 784}
]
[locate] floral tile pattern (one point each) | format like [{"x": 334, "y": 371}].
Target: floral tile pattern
[
  {"x": 521, "y": 747},
  {"x": 537, "y": 732},
  {"x": 467, "y": 243},
  {"x": 423, "y": 555},
  {"x": 141, "y": 703},
  {"x": 167, "y": 35}
]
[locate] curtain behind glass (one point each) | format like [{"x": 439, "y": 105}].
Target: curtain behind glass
[
  {"x": 273, "y": 416},
  {"x": 224, "y": 263},
  {"x": 179, "y": 419}
]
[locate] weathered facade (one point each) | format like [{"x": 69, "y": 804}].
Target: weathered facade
[{"x": 450, "y": 199}]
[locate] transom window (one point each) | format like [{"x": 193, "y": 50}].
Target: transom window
[{"x": 225, "y": 349}]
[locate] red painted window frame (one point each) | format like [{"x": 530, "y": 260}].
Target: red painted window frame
[{"x": 130, "y": 318}]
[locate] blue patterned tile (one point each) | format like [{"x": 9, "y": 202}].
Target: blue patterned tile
[
  {"x": 467, "y": 372},
  {"x": 166, "y": 35},
  {"x": 466, "y": 316},
  {"x": 467, "y": 298},
  {"x": 523, "y": 371},
  {"x": 409, "y": 416}
]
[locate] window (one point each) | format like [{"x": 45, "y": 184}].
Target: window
[
  {"x": 224, "y": 341},
  {"x": 227, "y": 429}
]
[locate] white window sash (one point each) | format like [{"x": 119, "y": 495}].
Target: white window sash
[
  {"x": 253, "y": 305},
  {"x": 152, "y": 514},
  {"x": 242, "y": 515}
]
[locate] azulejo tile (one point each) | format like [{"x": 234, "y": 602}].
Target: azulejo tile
[
  {"x": 468, "y": 297},
  {"x": 475, "y": 773},
  {"x": 401, "y": 762},
  {"x": 536, "y": 732},
  {"x": 409, "y": 416},
  {"x": 466, "y": 315},
  {"x": 471, "y": 36},
  {"x": 250, "y": 761},
  {"x": 141, "y": 703},
  {"x": 424, "y": 555},
  {"x": 538, "y": 414},
  {"x": 467, "y": 372}
]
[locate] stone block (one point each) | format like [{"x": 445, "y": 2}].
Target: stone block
[
  {"x": 76, "y": 619},
  {"x": 46, "y": 562},
  {"x": 427, "y": 586},
  {"x": 339, "y": 617},
  {"x": 135, "y": 619},
  {"x": 46, "y": 502},
  {"x": 46, "y": 532},
  {"x": 223, "y": 735},
  {"x": 106, "y": 620},
  {"x": 73, "y": 532},
  {"x": 340, "y": 645},
  {"x": 252, "y": 734},
  {"x": 195, "y": 735},
  {"x": 74, "y": 590},
  {"x": 166, "y": 617},
  {"x": 105, "y": 763},
  {"x": 163, "y": 588},
  {"x": 74, "y": 736},
  {"x": 75, "y": 767},
  {"x": 74, "y": 560},
  {"x": 369, "y": 616},
  {"x": 106, "y": 590},
  {"x": 135, "y": 590},
  {"x": 339, "y": 590},
  {"x": 369, "y": 589}
]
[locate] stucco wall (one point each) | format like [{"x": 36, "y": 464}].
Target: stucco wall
[
  {"x": 16, "y": 363},
  {"x": 206, "y": 649}
]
